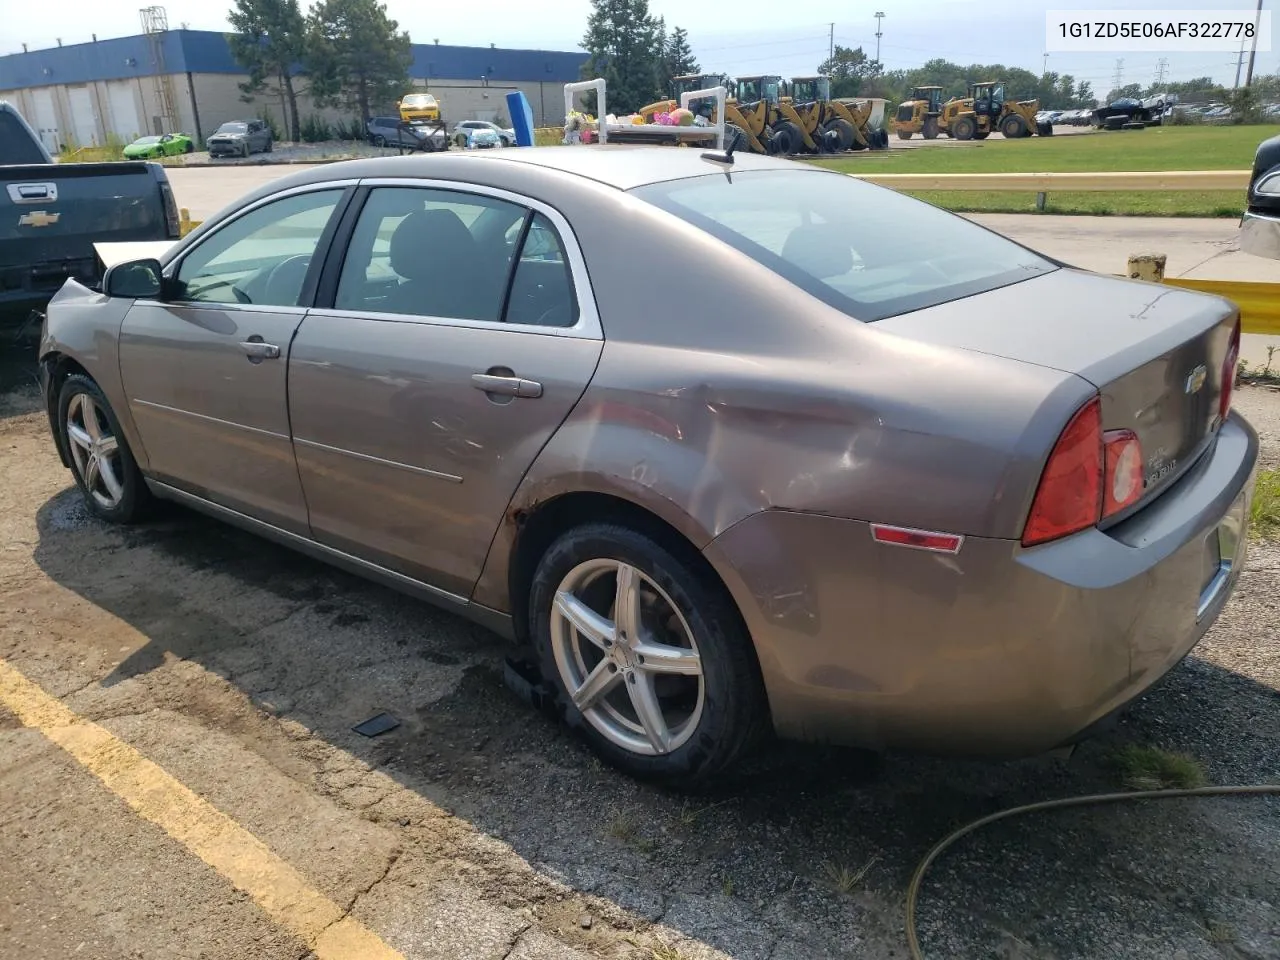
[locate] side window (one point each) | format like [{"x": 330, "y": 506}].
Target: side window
[
  {"x": 430, "y": 253},
  {"x": 542, "y": 289},
  {"x": 261, "y": 257}
]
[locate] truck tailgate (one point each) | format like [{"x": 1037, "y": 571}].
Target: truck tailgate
[{"x": 52, "y": 214}]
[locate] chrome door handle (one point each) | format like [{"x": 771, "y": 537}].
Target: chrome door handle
[
  {"x": 257, "y": 350},
  {"x": 506, "y": 386}
]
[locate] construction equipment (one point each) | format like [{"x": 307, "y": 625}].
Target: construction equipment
[
  {"x": 736, "y": 126},
  {"x": 771, "y": 119},
  {"x": 846, "y": 123},
  {"x": 986, "y": 110},
  {"x": 919, "y": 114}
]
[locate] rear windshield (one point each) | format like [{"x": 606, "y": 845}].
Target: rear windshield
[
  {"x": 866, "y": 250},
  {"x": 16, "y": 144}
]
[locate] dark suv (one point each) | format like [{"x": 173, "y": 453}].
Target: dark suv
[
  {"x": 239, "y": 138},
  {"x": 411, "y": 135}
]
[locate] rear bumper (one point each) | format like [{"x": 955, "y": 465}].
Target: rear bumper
[
  {"x": 1260, "y": 235},
  {"x": 996, "y": 651}
]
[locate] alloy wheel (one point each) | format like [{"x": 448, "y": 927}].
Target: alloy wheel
[
  {"x": 95, "y": 450},
  {"x": 627, "y": 657}
]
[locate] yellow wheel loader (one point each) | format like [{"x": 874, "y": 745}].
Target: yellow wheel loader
[
  {"x": 919, "y": 114},
  {"x": 847, "y": 123},
  {"x": 986, "y": 110},
  {"x": 772, "y": 119}
]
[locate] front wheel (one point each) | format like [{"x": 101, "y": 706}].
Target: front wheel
[
  {"x": 930, "y": 129},
  {"x": 647, "y": 654},
  {"x": 101, "y": 461},
  {"x": 964, "y": 129},
  {"x": 904, "y": 134}
]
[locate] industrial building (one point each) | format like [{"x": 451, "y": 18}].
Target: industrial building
[{"x": 165, "y": 81}]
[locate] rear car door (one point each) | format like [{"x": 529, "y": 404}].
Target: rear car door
[
  {"x": 204, "y": 371},
  {"x": 447, "y": 345}
]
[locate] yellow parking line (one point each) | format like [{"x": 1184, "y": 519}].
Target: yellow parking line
[{"x": 282, "y": 893}]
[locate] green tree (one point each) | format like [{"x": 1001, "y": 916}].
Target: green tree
[
  {"x": 358, "y": 56},
  {"x": 680, "y": 60},
  {"x": 1133, "y": 91},
  {"x": 848, "y": 69},
  {"x": 623, "y": 47},
  {"x": 270, "y": 43}
]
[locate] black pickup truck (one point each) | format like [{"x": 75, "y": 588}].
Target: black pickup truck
[{"x": 51, "y": 215}]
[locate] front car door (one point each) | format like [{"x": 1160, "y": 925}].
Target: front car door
[
  {"x": 204, "y": 370},
  {"x": 459, "y": 333}
]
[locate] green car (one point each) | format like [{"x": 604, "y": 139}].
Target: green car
[{"x": 150, "y": 148}]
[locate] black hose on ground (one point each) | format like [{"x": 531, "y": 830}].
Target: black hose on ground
[{"x": 917, "y": 879}]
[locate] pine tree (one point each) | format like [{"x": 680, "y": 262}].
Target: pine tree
[
  {"x": 622, "y": 44},
  {"x": 270, "y": 43},
  {"x": 679, "y": 55},
  {"x": 358, "y": 56}
]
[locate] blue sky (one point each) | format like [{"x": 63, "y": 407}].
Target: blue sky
[{"x": 1007, "y": 31}]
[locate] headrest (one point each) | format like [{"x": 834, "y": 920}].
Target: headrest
[
  {"x": 820, "y": 249},
  {"x": 428, "y": 243}
]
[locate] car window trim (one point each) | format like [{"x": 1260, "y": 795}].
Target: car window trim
[
  {"x": 588, "y": 326},
  {"x": 310, "y": 284}
]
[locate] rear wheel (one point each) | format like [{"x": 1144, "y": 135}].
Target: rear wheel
[
  {"x": 904, "y": 134},
  {"x": 1013, "y": 127},
  {"x": 101, "y": 461},
  {"x": 930, "y": 130},
  {"x": 964, "y": 128},
  {"x": 648, "y": 656},
  {"x": 379, "y": 141},
  {"x": 190, "y": 147}
]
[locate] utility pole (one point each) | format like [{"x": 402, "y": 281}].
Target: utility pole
[
  {"x": 1044, "y": 70},
  {"x": 1118, "y": 79},
  {"x": 1239, "y": 65},
  {"x": 831, "y": 44},
  {"x": 1253, "y": 51},
  {"x": 1160, "y": 69},
  {"x": 879, "y": 32}
]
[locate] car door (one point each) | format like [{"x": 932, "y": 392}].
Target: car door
[
  {"x": 458, "y": 334},
  {"x": 204, "y": 369}
]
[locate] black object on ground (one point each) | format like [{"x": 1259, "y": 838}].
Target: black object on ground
[{"x": 376, "y": 725}]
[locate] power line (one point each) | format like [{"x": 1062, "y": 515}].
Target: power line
[
  {"x": 1118, "y": 77},
  {"x": 1160, "y": 69}
]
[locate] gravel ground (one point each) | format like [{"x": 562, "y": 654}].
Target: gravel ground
[{"x": 241, "y": 667}]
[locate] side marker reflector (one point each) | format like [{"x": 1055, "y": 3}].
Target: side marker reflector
[{"x": 918, "y": 539}]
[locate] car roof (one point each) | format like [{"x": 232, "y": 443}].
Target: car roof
[{"x": 629, "y": 166}]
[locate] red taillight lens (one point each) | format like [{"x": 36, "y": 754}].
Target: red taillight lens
[
  {"x": 1122, "y": 477},
  {"x": 1069, "y": 497},
  {"x": 1229, "y": 372}
]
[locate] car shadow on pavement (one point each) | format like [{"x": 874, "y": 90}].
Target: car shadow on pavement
[{"x": 804, "y": 853}]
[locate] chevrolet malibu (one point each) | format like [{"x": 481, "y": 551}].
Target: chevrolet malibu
[{"x": 734, "y": 447}]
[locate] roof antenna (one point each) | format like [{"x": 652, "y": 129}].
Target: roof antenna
[{"x": 723, "y": 160}]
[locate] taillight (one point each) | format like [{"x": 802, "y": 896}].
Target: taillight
[
  {"x": 1069, "y": 497},
  {"x": 172, "y": 221},
  {"x": 1122, "y": 476},
  {"x": 1229, "y": 371}
]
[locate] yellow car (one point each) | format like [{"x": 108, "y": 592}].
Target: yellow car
[{"x": 419, "y": 106}]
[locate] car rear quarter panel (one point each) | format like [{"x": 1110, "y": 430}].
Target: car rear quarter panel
[{"x": 723, "y": 391}]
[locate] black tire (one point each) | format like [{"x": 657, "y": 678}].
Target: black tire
[
  {"x": 904, "y": 134},
  {"x": 1135, "y": 125},
  {"x": 734, "y": 713},
  {"x": 1013, "y": 127},
  {"x": 269, "y": 147},
  {"x": 981, "y": 134},
  {"x": 736, "y": 139},
  {"x": 1044, "y": 129},
  {"x": 788, "y": 137},
  {"x": 930, "y": 129},
  {"x": 190, "y": 148},
  {"x": 136, "y": 500},
  {"x": 379, "y": 141},
  {"x": 845, "y": 129},
  {"x": 964, "y": 128}
]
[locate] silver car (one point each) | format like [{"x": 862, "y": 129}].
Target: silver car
[{"x": 732, "y": 447}]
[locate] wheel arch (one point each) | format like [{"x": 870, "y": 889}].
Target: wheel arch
[{"x": 57, "y": 367}]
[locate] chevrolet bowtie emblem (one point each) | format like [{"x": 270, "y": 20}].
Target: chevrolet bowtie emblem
[
  {"x": 1195, "y": 380},
  {"x": 38, "y": 218}
]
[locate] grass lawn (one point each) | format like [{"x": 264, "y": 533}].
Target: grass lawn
[{"x": 1156, "y": 148}]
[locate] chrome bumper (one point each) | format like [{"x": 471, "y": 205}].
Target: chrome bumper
[{"x": 1260, "y": 235}]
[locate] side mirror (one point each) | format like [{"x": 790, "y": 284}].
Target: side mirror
[
  {"x": 1260, "y": 228},
  {"x": 134, "y": 280}
]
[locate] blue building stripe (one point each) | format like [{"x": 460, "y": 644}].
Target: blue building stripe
[{"x": 207, "y": 51}]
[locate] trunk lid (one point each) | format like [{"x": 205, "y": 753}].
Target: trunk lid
[{"x": 1154, "y": 352}]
